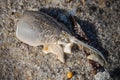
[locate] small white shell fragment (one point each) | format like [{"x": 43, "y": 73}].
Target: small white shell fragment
[
  {"x": 96, "y": 58},
  {"x": 102, "y": 76},
  {"x": 67, "y": 48}
]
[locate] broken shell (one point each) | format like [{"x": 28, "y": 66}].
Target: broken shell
[
  {"x": 96, "y": 58},
  {"x": 57, "y": 49},
  {"x": 67, "y": 48}
]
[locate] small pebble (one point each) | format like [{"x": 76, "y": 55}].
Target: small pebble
[{"x": 69, "y": 74}]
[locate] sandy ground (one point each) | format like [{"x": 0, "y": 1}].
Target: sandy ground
[{"x": 98, "y": 18}]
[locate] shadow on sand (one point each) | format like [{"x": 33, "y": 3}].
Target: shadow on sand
[{"x": 63, "y": 17}]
